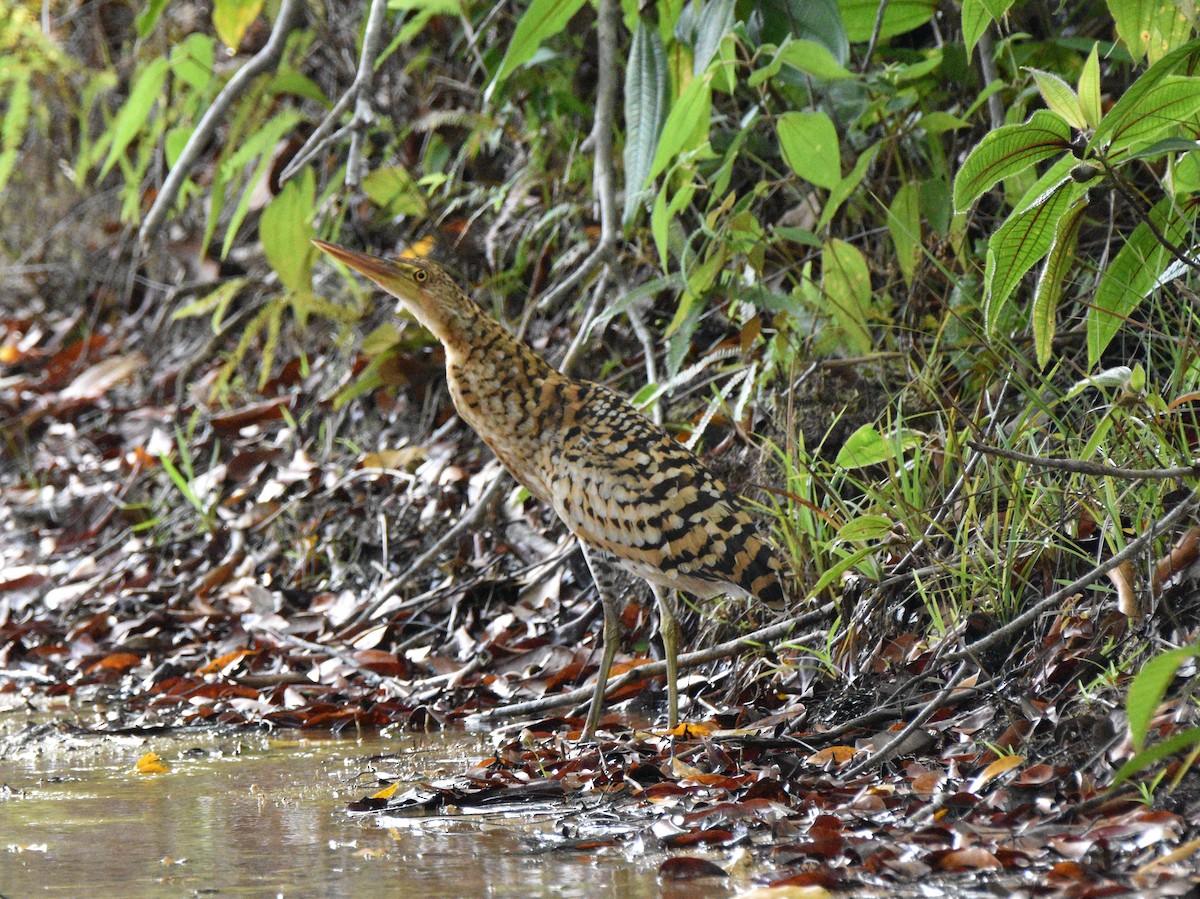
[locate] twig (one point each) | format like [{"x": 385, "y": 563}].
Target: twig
[
  {"x": 469, "y": 519},
  {"x": 1173, "y": 248},
  {"x": 264, "y": 59},
  {"x": 602, "y": 140},
  {"x": 1092, "y": 468},
  {"x": 883, "y": 753},
  {"x": 733, "y": 647},
  {"x": 589, "y": 315},
  {"x": 357, "y": 93},
  {"x": 878, "y": 27},
  {"x": 972, "y": 651},
  {"x": 987, "y": 67},
  {"x": 370, "y": 676}
]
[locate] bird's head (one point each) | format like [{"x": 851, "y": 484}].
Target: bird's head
[{"x": 423, "y": 288}]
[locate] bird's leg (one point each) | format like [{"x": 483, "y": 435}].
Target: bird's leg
[
  {"x": 602, "y": 574},
  {"x": 668, "y": 627}
]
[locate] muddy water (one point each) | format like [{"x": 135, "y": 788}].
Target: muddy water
[{"x": 259, "y": 815}]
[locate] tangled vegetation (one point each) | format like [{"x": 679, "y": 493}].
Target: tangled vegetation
[{"x": 916, "y": 278}]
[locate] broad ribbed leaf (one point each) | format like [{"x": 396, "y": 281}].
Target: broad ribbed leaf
[
  {"x": 1021, "y": 242},
  {"x": 1008, "y": 151},
  {"x": 543, "y": 19},
  {"x": 645, "y": 111},
  {"x": 1134, "y": 272},
  {"x": 713, "y": 23},
  {"x": 1167, "y": 106},
  {"x": 1060, "y": 98},
  {"x": 1043, "y": 315},
  {"x": 1089, "y": 89},
  {"x": 1184, "y": 60}
]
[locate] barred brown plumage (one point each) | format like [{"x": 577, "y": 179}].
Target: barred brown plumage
[{"x": 633, "y": 496}]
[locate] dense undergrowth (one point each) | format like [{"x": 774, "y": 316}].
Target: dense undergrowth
[{"x": 918, "y": 285}]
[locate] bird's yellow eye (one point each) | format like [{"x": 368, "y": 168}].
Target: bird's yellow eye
[{"x": 420, "y": 275}]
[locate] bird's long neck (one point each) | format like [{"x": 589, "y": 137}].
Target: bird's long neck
[
  {"x": 509, "y": 395},
  {"x": 459, "y": 323}
]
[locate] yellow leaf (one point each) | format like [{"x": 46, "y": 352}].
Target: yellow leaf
[
  {"x": 387, "y": 792},
  {"x": 150, "y": 763},
  {"x": 995, "y": 769}
]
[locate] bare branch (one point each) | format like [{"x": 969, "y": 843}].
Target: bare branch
[
  {"x": 601, "y": 139},
  {"x": 263, "y": 60},
  {"x": 358, "y": 94},
  {"x": 1091, "y": 468}
]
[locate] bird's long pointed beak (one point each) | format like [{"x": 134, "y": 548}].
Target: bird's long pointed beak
[{"x": 378, "y": 270}]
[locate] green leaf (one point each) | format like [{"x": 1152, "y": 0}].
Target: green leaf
[
  {"x": 286, "y": 231},
  {"x": 1026, "y": 236},
  {"x": 14, "y": 125},
  {"x": 815, "y": 20},
  {"x": 713, "y": 23},
  {"x": 904, "y": 226},
  {"x": 1148, "y": 688},
  {"x": 938, "y": 122},
  {"x": 192, "y": 60},
  {"x": 813, "y": 59},
  {"x": 846, "y": 286},
  {"x": 1060, "y": 98},
  {"x": 858, "y": 17},
  {"x": 977, "y": 15},
  {"x": 645, "y": 112},
  {"x": 1168, "y": 106},
  {"x": 146, "y": 91},
  {"x": 1050, "y": 284},
  {"x": 1089, "y": 89},
  {"x": 149, "y": 16},
  {"x": 1184, "y": 740},
  {"x": 848, "y": 185},
  {"x": 864, "y": 447},
  {"x": 664, "y": 215},
  {"x": 1150, "y": 28},
  {"x": 258, "y": 144},
  {"x": 216, "y": 302},
  {"x": 810, "y": 146},
  {"x": 393, "y": 190},
  {"x": 873, "y": 528},
  {"x": 543, "y": 19},
  {"x": 1007, "y": 151},
  {"x": 686, "y": 127},
  {"x": 231, "y": 18},
  {"x": 1136, "y": 270}
]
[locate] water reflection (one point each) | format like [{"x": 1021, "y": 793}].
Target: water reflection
[{"x": 262, "y": 816}]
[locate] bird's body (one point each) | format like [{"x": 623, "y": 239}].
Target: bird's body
[{"x": 631, "y": 494}]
